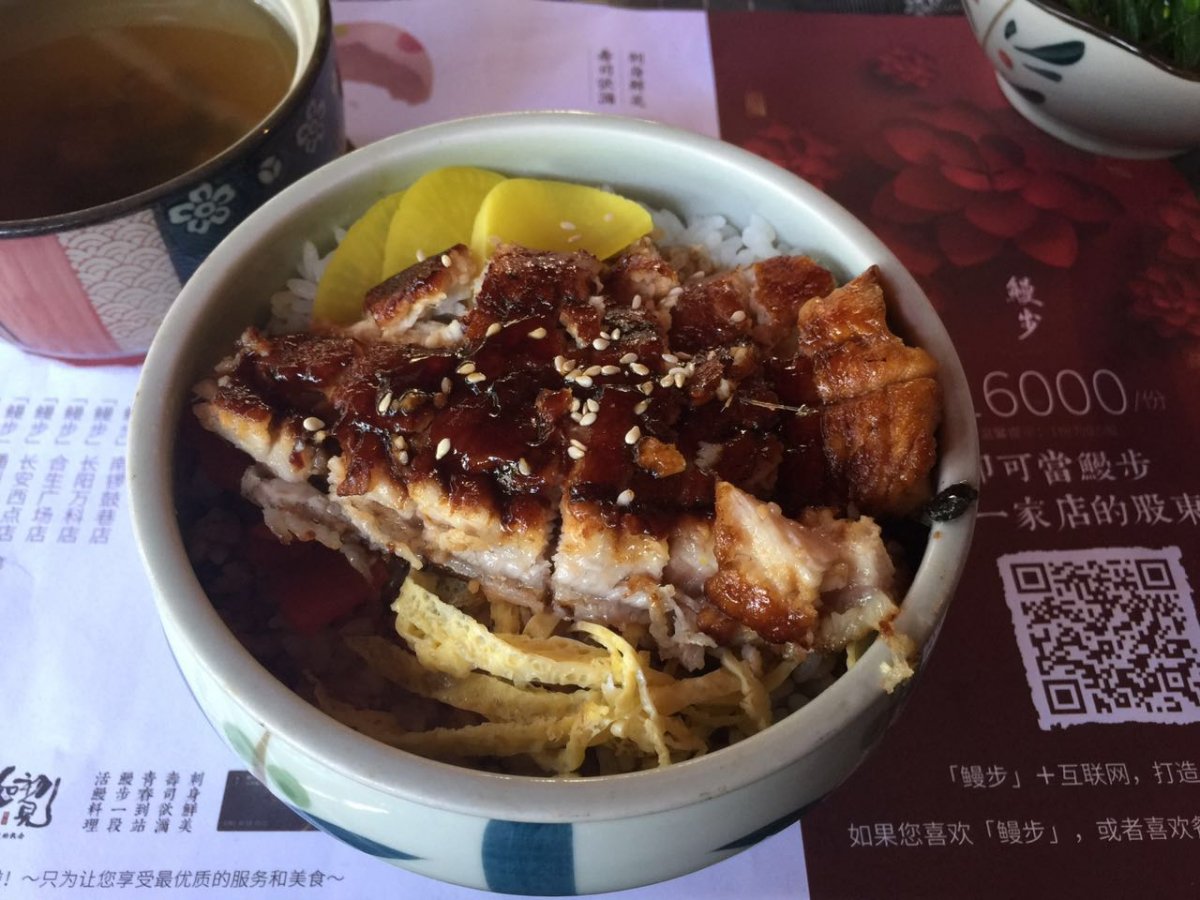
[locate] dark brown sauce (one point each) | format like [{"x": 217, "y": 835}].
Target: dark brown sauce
[{"x": 492, "y": 423}]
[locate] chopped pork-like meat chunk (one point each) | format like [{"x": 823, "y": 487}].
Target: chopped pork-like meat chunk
[
  {"x": 436, "y": 286},
  {"x": 884, "y": 401},
  {"x": 881, "y": 445},
  {"x": 773, "y": 573}
]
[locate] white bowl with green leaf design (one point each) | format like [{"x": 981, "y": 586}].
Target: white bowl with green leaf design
[
  {"x": 1084, "y": 85},
  {"x": 508, "y": 833}
]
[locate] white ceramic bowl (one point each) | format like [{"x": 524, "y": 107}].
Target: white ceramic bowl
[
  {"x": 1083, "y": 85},
  {"x": 506, "y": 833}
]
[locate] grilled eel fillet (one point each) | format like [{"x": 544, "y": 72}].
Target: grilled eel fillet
[{"x": 614, "y": 440}]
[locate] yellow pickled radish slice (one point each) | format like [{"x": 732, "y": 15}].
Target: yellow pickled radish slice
[
  {"x": 437, "y": 212},
  {"x": 355, "y": 265},
  {"x": 556, "y": 215}
]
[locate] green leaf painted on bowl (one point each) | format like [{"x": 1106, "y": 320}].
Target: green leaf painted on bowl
[
  {"x": 241, "y": 744},
  {"x": 1066, "y": 53},
  {"x": 288, "y": 786},
  {"x": 1045, "y": 73}
]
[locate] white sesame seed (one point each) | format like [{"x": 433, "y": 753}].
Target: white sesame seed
[
  {"x": 558, "y": 363},
  {"x": 738, "y": 317},
  {"x": 443, "y": 448},
  {"x": 628, "y": 358},
  {"x": 385, "y": 403},
  {"x": 584, "y": 381},
  {"x": 609, "y": 370},
  {"x": 633, "y": 435},
  {"x": 476, "y": 377},
  {"x": 600, "y": 343},
  {"x": 523, "y": 466},
  {"x": 593, "y": 371},
  {"x": 680, "y": 378},
  {"x": 576, "y": 442},
  {"x": 606, "y": 336},
  {"x": 402, "y": 457},
  {"x": 575, "y": 453},
  {"x": 636, "y": 302},
  {"x": 420, "y": 256},
  {"x": 446, "y": 260},
  {"x": 616, "y": 334},
  {"x": 646, "y": 387},
  {"x": 665, "y": 381},
  {"x": 638, "y": 369},
  {"x": 576, "y": 416},
  {"x": 312, "y": 423},
  {"x": 573, "y": 238},
  {"x": 466, "y": 368},
  {"x": 675, "y": 291},
  {"x": 399, "y": 442},
  {"x": 576, "y": 403},
  {"x": 538, "y": 333},
  {"x": 447, "y": 385},
  {"x": 566, "y": 226},
  {"x": 588, "y": 418},
  {"x": 670, "y": 358},
  {"x": 320, "y": 436},
  {"x": 625, "y": 497},
  {"x": 641, "y": 407},
  {"x": 593, "y": 405},
  {"x": 493, "y": 329},
  {"x": 724, "y": 389}
]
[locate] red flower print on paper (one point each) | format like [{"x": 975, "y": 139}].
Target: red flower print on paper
[
  {"x": 1166, "y": 293},
  {"x": 799, "y": 151},
  {"x": 905, "y": 67},
  {"x": 963, "y": 192}
]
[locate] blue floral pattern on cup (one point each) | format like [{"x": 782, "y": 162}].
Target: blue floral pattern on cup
[
  {"x": 312, "y": 130},
  {"x": 193, "y": 221},
  {"x": 206, "y": 206}
]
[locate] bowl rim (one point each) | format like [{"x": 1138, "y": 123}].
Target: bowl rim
[
  {"x": 1099, "y": 31},
  {"x": 313, "y": 734},
  {"x": 258, "y": 135}
]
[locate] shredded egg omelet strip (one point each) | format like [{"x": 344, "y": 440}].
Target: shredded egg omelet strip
[{"x": 546, "y": 697}]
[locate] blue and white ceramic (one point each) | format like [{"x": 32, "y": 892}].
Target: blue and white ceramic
[
  {"x": 1082, "y": 84},
  {"x": 514, "y": 834},
  {"x": 95, "y": 284}
]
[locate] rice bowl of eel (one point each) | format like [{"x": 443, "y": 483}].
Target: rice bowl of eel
[{"x": 663, "y": 821}]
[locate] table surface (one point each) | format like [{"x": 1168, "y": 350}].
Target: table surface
[{"x": 1051, "y": 746}]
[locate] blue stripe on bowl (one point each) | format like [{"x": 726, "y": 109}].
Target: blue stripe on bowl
[
  {"x": 357, "y": 841},
  {"x": 529, "y": 858},
  {"x": 761, "y": 834}
]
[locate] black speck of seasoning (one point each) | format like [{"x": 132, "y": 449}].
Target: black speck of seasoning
[{"x": 951, "y": 502}]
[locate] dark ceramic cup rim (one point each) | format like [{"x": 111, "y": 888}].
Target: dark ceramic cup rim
[{"x": 262, "y": 130}]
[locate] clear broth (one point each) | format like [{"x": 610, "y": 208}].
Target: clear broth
[{"x": 109, "y": 109}]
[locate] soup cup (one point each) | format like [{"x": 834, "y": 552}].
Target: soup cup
[
  {"x": 94, "y": 284},
  {"x": 520, "y": 834}
]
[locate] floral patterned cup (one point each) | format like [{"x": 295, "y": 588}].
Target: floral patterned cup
[{"x": 95, "y": 284}]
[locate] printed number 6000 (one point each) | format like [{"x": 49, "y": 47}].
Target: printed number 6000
[{"x": 1072, "y": 391}]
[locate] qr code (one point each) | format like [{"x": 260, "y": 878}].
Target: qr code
[{"x": 1106, "y": 635}]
